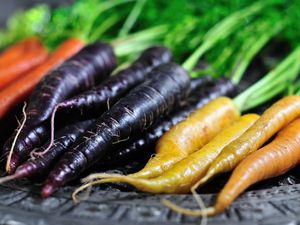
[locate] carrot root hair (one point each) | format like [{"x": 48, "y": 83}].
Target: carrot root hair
[
  {"x": 52, "y": 129},
  {"x": 7, "y": 167},
  {"x": 98, "y": 176},
  {"x": 189, "y": 212},
  {"x": 88, "y": 185},
  {"x": 209, "y": 175},
  {"x": 83, "y": 197},
  {"x": 94, "y": 179},
  {"x": 203, "y": 211}
]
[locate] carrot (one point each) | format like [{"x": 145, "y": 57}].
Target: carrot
[
  {"x": 31, "y": 58},
  {"x": 184, "y": 174},
  {"x": 280, "y": 114},
  {"x": 18, "y": 49},
  {"x": 164, "y": 88},
  {"x": 20, "y": 90},
  {"x": 90, "y": 65},
  {"x": 40, "y": 166},
  {"x": 273, "y": 119},
  {"x": 115, "y": 87},
  {"x": 165, "y": 159},
  {"x": 274, "y": 159},
  {"x": 203, "y": 90},
  {"x": 190, "y": 135}
]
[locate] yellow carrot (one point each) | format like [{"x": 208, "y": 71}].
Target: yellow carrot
[{"x": 190, "y": 135}]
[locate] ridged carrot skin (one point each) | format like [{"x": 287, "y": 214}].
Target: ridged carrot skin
[
  {"x": 190, "y": 135},
  {"x": 95, "y": 101},
  {"x": 41, "y": 165},
  {"x": 165, "y": 87},
  {"x": 203, "y": 90},
  {"x": 273, "y": 119},
  {"x": 18, "y": 91},
  {"x": 17, "y": 50},
  {"x": 184, "y": 174},
  {"x": 89, "y": 66},
  {"x": 274, "y": 159},
  {"x": 14, "y": 69}
]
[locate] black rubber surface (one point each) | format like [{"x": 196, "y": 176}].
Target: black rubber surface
[{"x": 20, "y": 204}]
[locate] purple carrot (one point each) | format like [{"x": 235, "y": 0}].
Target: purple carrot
[
  {"x": 98, "y": 100},
  {"x": 89, "y": 66},
  {"x": 40, "y": 166},
  {"x": 116, "y": 86},
  {"x": 166, "y": 86},
  {"x": 146, "y": 142}
]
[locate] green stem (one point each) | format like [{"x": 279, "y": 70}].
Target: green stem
[
  {"x": 287, "y": 70},
  {"x": 290, "y": 75},
  {"x": 138, "y": 41},
  {"x": 131, "y": 19},
  {"x": 269, "y": 95},
  {"x": 221, "y": 30},
  {"x": 106, "y": 24},
  {"x": 131, "y": 48},
  {"x": 223, "y": 57},
  {"x": 251, "y": 50},
  {"x": 102, "y": 8},
  {"x": 297, "y": 85},
  {"x": 290, "y": 72},
  {"x": 142, "y": 35}
]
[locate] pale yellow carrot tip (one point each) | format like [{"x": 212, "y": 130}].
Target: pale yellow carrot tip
[
  {"x": 88, "y": 184},
  {"x": 189, "y": 212},
  {"x": 201, "y": 182},
  {"x": 94, "y": 179},
  {"x": 97, "y": 176}
]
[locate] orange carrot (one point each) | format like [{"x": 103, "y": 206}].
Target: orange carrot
[
  {"x": 30, "y": 58},
  {"x": 20, "y": 90},
  {"x": 18, "y": 49},
  {"x": 276, "y": 158}
]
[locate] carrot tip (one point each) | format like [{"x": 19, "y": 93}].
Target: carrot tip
[
  {"x": 10, "y": 177},
  {"x": 14, "y": 162},
  {"x": 48, "y": 190},
  {"x": 13, "y": 159},
  {"x": 189, "y": 212}
]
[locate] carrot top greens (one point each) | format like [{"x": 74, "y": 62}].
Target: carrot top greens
[{"x": 272, "y": 84}]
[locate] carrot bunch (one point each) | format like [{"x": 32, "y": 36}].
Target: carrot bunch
[
  {"x": 251, "y": 163},
  {"x": 181, "y": 171}
]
